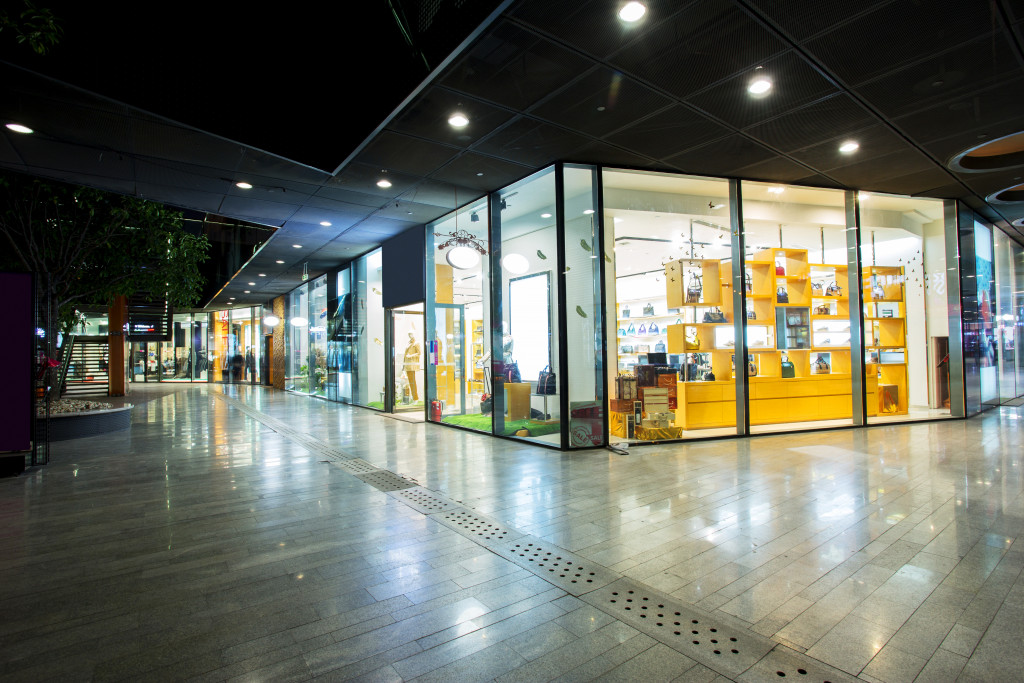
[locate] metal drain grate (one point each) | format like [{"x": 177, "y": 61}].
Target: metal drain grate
[
  {"x": 784, "y": 663},
  {"x": 570, "y": 572},
  {"x": 385, "y": 480},
  {"x": 726, "y": 649},
  {"x": 481, "y": 529},
  {"x": 356, "y": 466},
  {"x": 423, "y": 500}
]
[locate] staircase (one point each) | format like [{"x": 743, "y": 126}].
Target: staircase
[{"x": 87, "y": 368}]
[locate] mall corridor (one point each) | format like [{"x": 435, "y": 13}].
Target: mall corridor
[{"x": 242, "y": 533}]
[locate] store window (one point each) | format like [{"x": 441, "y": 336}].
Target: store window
[
  {"x": 799, "y": 321},
  {"x": 1005, "y": 325},
  {"x": 340, "y": 343},
  {"x": 318, "y": 336},
  {"x": 1018, "y": 312},
  {"x": 458, "y": 351},
  {"x": 671, "y": 332},
  {"x": 297, "y": 370},
  {"x": 368, "y": 331},
  {"x": 525, "y": 340},
  {"x": 176, "y": 355},
  {"x": 906, "y": 316}
]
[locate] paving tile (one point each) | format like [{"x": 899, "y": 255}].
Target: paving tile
[{"x": 892, "y": 665}]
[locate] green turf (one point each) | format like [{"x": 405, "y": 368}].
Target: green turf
[{"x": 482, "y": 423}]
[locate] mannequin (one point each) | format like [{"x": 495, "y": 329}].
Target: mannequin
[{"x": 411, "y": 364}]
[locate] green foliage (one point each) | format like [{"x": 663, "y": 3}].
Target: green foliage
[
  {"x": 96, "y": 245},
  {"x": 34, "y": 26}
]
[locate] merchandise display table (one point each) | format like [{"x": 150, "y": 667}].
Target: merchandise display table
[{"x": 517, "y": 400}]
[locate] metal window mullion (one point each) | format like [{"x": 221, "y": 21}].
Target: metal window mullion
[
  {"x": 739, "y": 307},
  {"x": 563, "y": 325},
  {"x": 954, "y": 271},
  {"x": 858, "y": 380},
  {"x": 497, "y": 306},
  {"x": 601, "y": 328}
]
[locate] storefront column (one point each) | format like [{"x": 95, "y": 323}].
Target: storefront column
[
  {"x": 117, "y": 363},
  {"x": 276, "y": 362}
]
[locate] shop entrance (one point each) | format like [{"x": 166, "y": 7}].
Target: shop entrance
[{"x": 407, "y": 358}]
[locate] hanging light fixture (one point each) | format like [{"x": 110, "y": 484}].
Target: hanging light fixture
[{"x": 464, "y": 248}]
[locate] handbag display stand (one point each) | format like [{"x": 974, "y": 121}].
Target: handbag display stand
[{"x": 517, "y": 400}]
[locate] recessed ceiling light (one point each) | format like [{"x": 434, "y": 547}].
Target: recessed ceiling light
[
  {"x": 776, "y": 190},
  {"x": 326, "y": 224},
  {"x": 588, "y": 211},
  {"x": 279, "y": 261},
  {"x": 759, "y": 86},
  {"x": 252, "y": 284},
  {"x": 849, "y": 146},
  {"x": 480, "y": 173},
  {"x": 231, "y": 298},
  {"x": 863, "y": 195},
  {"x": 458, "y": 120},
  {"x": 383, "y": 183},
  {"x": 18, "y": 128},
  {"x": 632, "y": 11},
  {"x": 297, "y": 246},
  {"x": 246, "y": 291},
  {"x": 243, "y": 185},
  {"x": 263, "y": 274},
  {"x": 545, "y": 215}
]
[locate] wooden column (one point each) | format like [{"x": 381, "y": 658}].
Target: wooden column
[
  {"x": 278, "y": 360},
  {"x": 117, "y": 348}
]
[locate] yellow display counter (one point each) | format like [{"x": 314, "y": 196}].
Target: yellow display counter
[
  {"x": 517, "y": 400},
  {"x": 703, "y": 405}
]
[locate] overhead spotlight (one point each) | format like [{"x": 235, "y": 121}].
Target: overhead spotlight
[
  {"x": 545, "y": 215},
  {"x": 246, "y": 291},
  {"x": 279, "y": 261},
  {"x": 849, "y": 147},
  {"x": 632, "y": 11},
  {"x": 243, "y": 185},
  {"x": 383, "y": 184},
  {"x": 326, "y": 224},
  {"x": 18, "y": 128},
  {"x": 297, "y": 246},
  {"x": 458, "y": 120},
  {"x": 760, "y": 84},
  {"x": 263, "y": 274},
  {"x": 473, "y": 218}
]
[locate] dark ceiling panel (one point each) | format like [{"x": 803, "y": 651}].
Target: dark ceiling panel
[
  {"x": 899, "y": 33},
  {"x": 263, "y": 163},
  {"x": 795, "y": 83},
  {"x": 873, "y": 172},
  {"x": 700, "y": 45},
  {"x": 257, "y": 210},
  {"x": 481, "y": 172},
  {"x": 362, "y": 178},
  {"x": 837, "y": 116},
  {"x": 531, "y": 142},
  {"x": 592, "y": 26},
  {"x": 339, "y": 219},
  {"x": 801, "y": 19},
  {"x": 330, "y": 196},
  {"x": 953, "y": 76},
  {"x": 427, "y": 117},
  {"x": 933, "y": 182},
  {"x": 721, "y": 157},
  {"x": 442, "y": 194},
  {"x": 600, "y": 152},
  {"x": 397, "y": 152},
  {"x": 182, "y": 198},
  {"x": 381, "y": 226},
  {"x": 45, "y": 153},
  {"x": 668, "y": 132},
  {"x": 601, "y": 102},
  {"x": 514, "y": 67},
  {"x": 875, "y": 141},
  {"x": 776, "y": 169},
  {"x": 411, "y": 211}
]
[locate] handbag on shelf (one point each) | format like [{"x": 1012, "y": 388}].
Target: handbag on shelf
[
  {"x": 788, "y": 369},
  {"x": 821, "y": 366},
  {"x": 794, "y": 319},
  {"x": 715, "y": 315},
  {"x": 626, "y": 348},
  {"x": 649, "y": 309},
  {"x": 834, "y": 289},
  {"x": 780, "y": 270},
  {"x": 748, "y": 283},
  {"x": 709, "y": 376},
  {"x": 625, "y": 312},
  {"x": 817, "y": 287},
  {"x": 631, "y": 330},
  {"x": 653, "y": 329},
  {"x": 823, "y": 309},
  {"x": 751, "y": 315},
  {"x": 692, "y": 343},
  {"x": 622, "y": 332},
  {"x": 679, "y": 321},
  {"x": 877, "y": 291},
  {"x": 642, "y": 330},
  {"x": 643, "y": 348},
  {"x": 546, "y": 381},
  {"x": 781, "y": 295},
  {"x": 659, "y": 347},
  {"x": 694, "y": 288},
  {"x": 511, "y": 373},
  {"x": 751, "y": 369}
]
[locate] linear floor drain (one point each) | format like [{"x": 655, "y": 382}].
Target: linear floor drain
[
  {"x": 356, "y": 466},
  {"x": 725, "y": 649},
  {"x": 423, "y": 500},
  {"x": 385, "y": 480},
  {"x": 568, "y": 571},
  {"x": 484, "y": 530},
  {"x": 784, "y": 663}
]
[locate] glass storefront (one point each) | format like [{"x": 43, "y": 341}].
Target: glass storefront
[
  {"x": 182, "y": 359},
  {"x": 297, "y": 371},
  {"x": 318, "y": 336}
]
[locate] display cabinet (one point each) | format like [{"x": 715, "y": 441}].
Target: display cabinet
[{"x": 885, "y": 336}]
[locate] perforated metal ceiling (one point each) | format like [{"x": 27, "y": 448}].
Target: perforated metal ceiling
[{"x": 914, "y": 82}]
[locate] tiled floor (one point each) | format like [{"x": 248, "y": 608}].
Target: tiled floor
[{"x": 252, "y": 536}]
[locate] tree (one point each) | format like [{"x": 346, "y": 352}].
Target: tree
[
  {"x": 34, "y": 26},
  {"x": 91, "y": 246}
]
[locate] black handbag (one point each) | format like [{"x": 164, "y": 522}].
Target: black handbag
[
  {"x": 834, "y": 290},
  {"x": 546, "y": 381},
  {"x": 649, "y": 309},
  {"x": 781, "y": 295},
  {"x": 511, "y": 373},
  {"x": 694, "y": 287},
  {"x": 821, "y": 366},
  {"x": 709, "y": 376},
  {"x": 715, "y": 315}
]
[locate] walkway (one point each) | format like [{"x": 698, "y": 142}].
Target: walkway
[{"x": 241, "y": 533}]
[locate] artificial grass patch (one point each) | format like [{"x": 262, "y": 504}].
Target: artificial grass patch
[{"x": 482, "y": 423}]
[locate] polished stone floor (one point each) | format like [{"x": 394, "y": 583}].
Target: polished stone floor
[{"x": 240, "y": 533}]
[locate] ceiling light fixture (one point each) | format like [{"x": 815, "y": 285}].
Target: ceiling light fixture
[
  {"x": 271, "y": 320},
  {"x": 243, "y": 185},
  {"x": 759, "y": 86},
  {"x": 279, "y": 261},
  {"x": 326, "y": 224},
  {"x": 632, "y": 11},
  {"x": 297, "y": 246},
  {"x": 263, "y": 274},
  {"x": 517, "y": 264},
  {"x": 246, "y": 291},
  {"x": 545, "y": 215},
  {"x": 462, "y": 257},
  {"x": 298, "y": 321},
  {"x": 252, "y": 284},
  {"x": 18, "y": 128},
  {"x": 383, "y": 184},
  {"x": 849, "y": 147},
  {"x": 587, "y": 212},
  {"x": 458, "y": 120}
]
